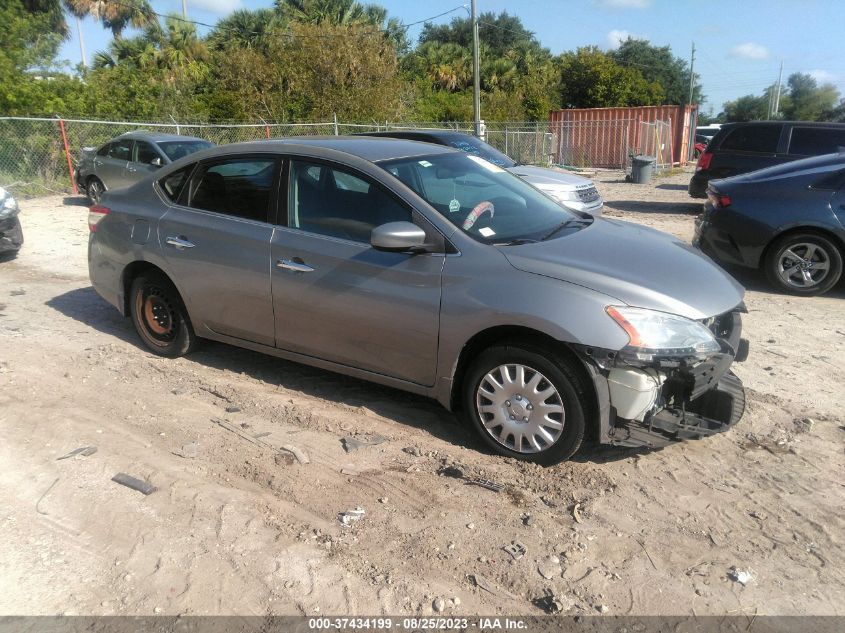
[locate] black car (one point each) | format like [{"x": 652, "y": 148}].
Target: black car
[
  {"x": 738, "y": 148},
  {"x": 787, "y": 220},
  {"x": 11, "y": 235}
]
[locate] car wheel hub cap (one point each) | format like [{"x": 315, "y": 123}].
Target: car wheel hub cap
[
  {"x": 803, "y": 265},
  {"x": 520, "y": 408}
]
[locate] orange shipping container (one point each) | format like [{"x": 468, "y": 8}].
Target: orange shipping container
[{"x": 605, "y": 137}]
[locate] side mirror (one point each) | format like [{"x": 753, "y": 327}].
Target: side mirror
[
  {"x": 403, "y": 237},
  {"x": 156, "y": 162}
]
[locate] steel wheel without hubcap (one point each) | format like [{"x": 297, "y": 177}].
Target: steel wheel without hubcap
[
  {"x": 520, "y": 408},
  {"x": 158, "y": 315},
  {"x": 803, "y": 265}
]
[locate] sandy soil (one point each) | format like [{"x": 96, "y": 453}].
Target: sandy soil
[{"x": 235, "y": 529}]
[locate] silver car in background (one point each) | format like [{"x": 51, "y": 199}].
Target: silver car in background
[
  {"x": 570, "y": 190},
  {"x": 130, "y": 157},
  {"x": 434, "y": 271}
]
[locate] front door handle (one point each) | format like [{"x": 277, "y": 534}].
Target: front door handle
[
  {"x": 296, "y": 266},
  {"x": 179, "y": 242}
]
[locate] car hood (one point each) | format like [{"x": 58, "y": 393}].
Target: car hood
[
  {"x": 635, "y": 265},
  {"x": 540, "y": 177}
]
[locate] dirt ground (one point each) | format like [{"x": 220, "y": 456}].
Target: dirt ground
[{"x": 234, "y": 529}]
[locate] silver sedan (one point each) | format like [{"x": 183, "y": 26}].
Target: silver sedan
[{"x": 433, "y": 271}]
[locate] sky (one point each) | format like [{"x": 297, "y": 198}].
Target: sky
[{"x": 740, "y": 44}]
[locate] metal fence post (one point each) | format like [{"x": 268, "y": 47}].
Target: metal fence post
[
  {"x": 334, "y": 117},
  {"x": 67, "y": 155}
]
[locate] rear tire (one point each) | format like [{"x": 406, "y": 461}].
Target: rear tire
[
  {"x": 94, "y": 189},
  {"x": 160, "y": 317},
  {"x": 803, "y": 264},
  {"x": 525, "y": 402}
]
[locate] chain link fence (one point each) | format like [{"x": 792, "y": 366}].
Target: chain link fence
[{"x": 38, "y": 155}]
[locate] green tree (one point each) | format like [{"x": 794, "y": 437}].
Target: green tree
[
  {"x": 746, "y": 108},
  {"x": 658, "y": 65},
  {"x": 590, "y": 78},
  {"x": 115, "y": 16},
  {"x": 808, "y": 101},
  {"x": 245, "y": 29}
]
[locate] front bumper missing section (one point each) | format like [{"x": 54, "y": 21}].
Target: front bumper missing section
[{"x": 715, "y": 411}]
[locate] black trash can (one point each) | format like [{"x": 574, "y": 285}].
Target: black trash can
[{"x": 642, "y": 167}]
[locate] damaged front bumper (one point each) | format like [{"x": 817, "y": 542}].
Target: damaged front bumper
[{"x": 673, "y": 399}]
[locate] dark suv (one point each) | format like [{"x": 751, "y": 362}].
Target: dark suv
[{"x": 738, "y": 148}]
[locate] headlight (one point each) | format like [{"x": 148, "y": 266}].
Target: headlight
[
  {"x": 8, "y": 205},
  {"x": 654, "y": 333},
  {"x": 563, "y": 195}
]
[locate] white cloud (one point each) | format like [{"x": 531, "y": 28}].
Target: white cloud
[
  {"x": 823, "y": 76},
  {"x": 616, "y": 37},
  {"x": 750, "y": 50},
  {"x": 218, "y": 7},
  {"x": 625, "y": 4}
]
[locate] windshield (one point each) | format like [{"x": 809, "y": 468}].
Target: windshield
[
  {"x": 482, "y": 199},
  {"x": 175, "y": 150},
  {"x": 472, "y": 145}
]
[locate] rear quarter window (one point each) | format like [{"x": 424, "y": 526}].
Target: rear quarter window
[
  {"x": 814, "y": 141},
  {"x": 172, "y": 184},
  {"x": 761, "y": 139}
]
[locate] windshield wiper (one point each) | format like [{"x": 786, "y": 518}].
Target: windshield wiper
[
  {"x": 563, "y": 225},
  {"x": 517, "y": 241}
]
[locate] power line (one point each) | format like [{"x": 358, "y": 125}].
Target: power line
[{"x": 175, "y": 17}]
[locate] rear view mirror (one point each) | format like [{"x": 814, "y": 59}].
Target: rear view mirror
[
  {"x": 156, "y": 162},
  {"x": 398, "y": 237}
]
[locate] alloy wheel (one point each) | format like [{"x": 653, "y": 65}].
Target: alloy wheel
[{"x": 803, "y": 265}]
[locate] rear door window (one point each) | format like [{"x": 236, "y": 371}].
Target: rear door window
[
  {"x": 238, "y": 186},
  {"x": 121, "y": 150},
  {"x": 813, "y": 141},
  {"x": 762, "y": 139},
  {"x": 144, "y": 153}
]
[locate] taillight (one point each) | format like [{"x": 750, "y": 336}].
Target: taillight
[
  {"x": 95, "y": 214},
  {"x": 718, "y": 200},
  {"x": 704, "y": 161}
]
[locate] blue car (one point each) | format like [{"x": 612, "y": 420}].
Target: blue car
[{"x": 788, "y": 221}]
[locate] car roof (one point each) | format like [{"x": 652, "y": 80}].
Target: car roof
[
  {"x": 369, "y": 148},
  {"x": 156, "y": 137},
  {"x": 801, "y": 123},
  {"x": 440, "y": 135}
]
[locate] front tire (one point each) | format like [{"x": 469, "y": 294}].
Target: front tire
[
  {"x": 804, "y": 264},
  {"x": 160, "y": 317},
  {"x": 526, "y": 403}
]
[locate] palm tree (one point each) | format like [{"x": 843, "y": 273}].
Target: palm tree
[
  {"x": 114, "y": 16},
  {"x": 245, "y": 29},
  {"x": 53, "y": 9},
  {"x": 334, "y": 12}
]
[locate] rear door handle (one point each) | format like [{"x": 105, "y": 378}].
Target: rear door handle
[
  {"x": 296, "y": 266},
  {"x": 179, "y": 242}
]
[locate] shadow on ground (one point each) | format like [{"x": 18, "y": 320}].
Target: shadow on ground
[
  {"x": 86, "y": 306},
  {"x": 76, "y": 201},
  {"x": 671, "y": 187},
  {"x": 656, "y": 206}
]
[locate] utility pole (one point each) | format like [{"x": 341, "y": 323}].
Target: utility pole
[
  {"x": 476, "y": 78},
  {"x": 691, "y": 74},
  {"x": 81, "y": 41},
  {"x": 185, "y": 9},
  {"x": 777, "y": 91}
]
